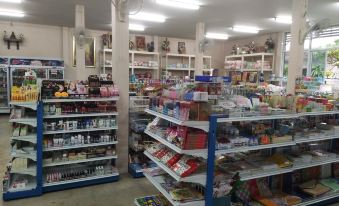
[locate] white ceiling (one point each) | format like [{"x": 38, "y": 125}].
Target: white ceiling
[{"x": 219, "y": 15}]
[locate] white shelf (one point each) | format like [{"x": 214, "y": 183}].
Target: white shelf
[
  {"x": 80, "y": 130},
  {"x": 143, "y": 52},
  {"x": 315, "y": 139},
  {"x": 79, "y": 146},
  {"x": 318, "y": 199},
  {"x": 278, "y": 116},
  {"x": 82, "y": 100},
  {"x": 318, "y": 113},
  {"x": 80, "y": 115},
  {"x": 265, "y": 173},
  {"x": 135, "y": 52},
  {"x": 144, "y": 67},
  {"x": 157, "y": 180},
  {"x": 250, "y": 55},
  {"x": 28, "y": 121},
  {"x": 80, "y": 161},
  {"x": 29, "y": 171},
  {"x": 203, "y": 125},
  {"x": 316, "y": 163},
  {"x": 18, "y": 154},
  {"x": 30, "y": 105},
  {"x": 180, "y": 55},
  {"x": 251, "y": 148},
  {"x": 30, "y": 186},
  {"x": 249, "y": 70},
  {"x": 195, "y": 178},
  {"x": 199, "y": 152},
  {"x": 36, "y": 67},
  {"x": 257, "y": 118},
  {"x": 179, "y": 69},
  {"x": 28, "y": 138},
  {"x": 268, "y": 173},
  {"x": 79, "y": 180}
]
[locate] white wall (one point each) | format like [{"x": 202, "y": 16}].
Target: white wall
[
  {"x": 40, "y": 40},
  {"x": 56, "y": 42}
]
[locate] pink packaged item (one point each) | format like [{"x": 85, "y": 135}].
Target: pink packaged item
[{"x": 104, "y": 92}]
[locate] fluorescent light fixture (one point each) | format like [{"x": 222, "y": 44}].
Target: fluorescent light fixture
[
  {"x": 136, "y": 27},
  {"x": 12, "y": 1},
  {"x": 148, "y": 17},
  {"x": 12, "y": 13},
  {"x": 210, "y": 35},
  {"x": 283, "y": 19},
  {"x": 183, "y": 4},
  {"x": 246, "y": 29}
]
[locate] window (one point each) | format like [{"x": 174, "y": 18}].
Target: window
[{"x": 321, "y": 56}]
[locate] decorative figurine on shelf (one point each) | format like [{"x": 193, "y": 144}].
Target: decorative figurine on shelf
[
  {"x": 251, "y": 47},
  {"x": 181, "y": 48},
  {"x": 141, "y": 43},
  {"x": 105, "y": 40},
  {"x": 150, "y": 47},
  {"x": 261, "y": 77},
  {"x": 234, "y": 49},
  {"x": 165, "y": 46},
  {"x": 269, "y": 45},
  {"x": 131, "y": 45},
  {"x": 13, "y": 39}
]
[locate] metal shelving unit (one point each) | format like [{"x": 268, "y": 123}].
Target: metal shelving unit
[
  {"x": 210, "y": 154},
  {"x": 186, "y": 59},
  {"x": 133, "y": 56},
  {"x": 43, "y": 67},
  {"x": 34, "y": 171},
  {"x": 4, "y": 85},
  {"x": 68, "y": 165}
]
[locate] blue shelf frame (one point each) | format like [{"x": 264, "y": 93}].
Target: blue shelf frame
[
  {"x": 209, "y": 200},
  {"x": 38, "y": 190},
  {"x": 134, "y": 173}
]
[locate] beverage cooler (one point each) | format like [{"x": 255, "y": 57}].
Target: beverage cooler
[{"x": 4, "y": 85}]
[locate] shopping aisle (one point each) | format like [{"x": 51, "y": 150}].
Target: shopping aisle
[{"x": 121, "y": 193}]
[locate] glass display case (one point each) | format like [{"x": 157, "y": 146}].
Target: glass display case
[
  {"x": 18, "y": 74},
  {"x": 55, "y": 73},
  {"x": 4, "y": 89}
]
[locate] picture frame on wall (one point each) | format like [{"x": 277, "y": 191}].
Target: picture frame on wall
[
  {"x": 140, "y": 43},
  {"x": 90, "y": 52},
  {"x": 181, "y": 48}
]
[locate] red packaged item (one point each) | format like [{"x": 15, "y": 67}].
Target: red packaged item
[
  {"x": 171, "y": 158},
  {"x": 161, "y": 153},
  {"x": 185, "y": 166}
]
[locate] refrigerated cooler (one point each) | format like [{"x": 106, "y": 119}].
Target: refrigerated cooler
[
  {"x": 44, "y": 69},
  {"x": 4, "y": 85}
]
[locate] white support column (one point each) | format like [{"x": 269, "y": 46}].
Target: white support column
[
  {"x": 67, "y": 47},
  {"x": 81, "y": 74},
  {"x": 199, "y": 56},
  {"x": 296, "y": 55},
  {"x": 279, "y": 54},
  {"x": 120, "y": 74}
]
